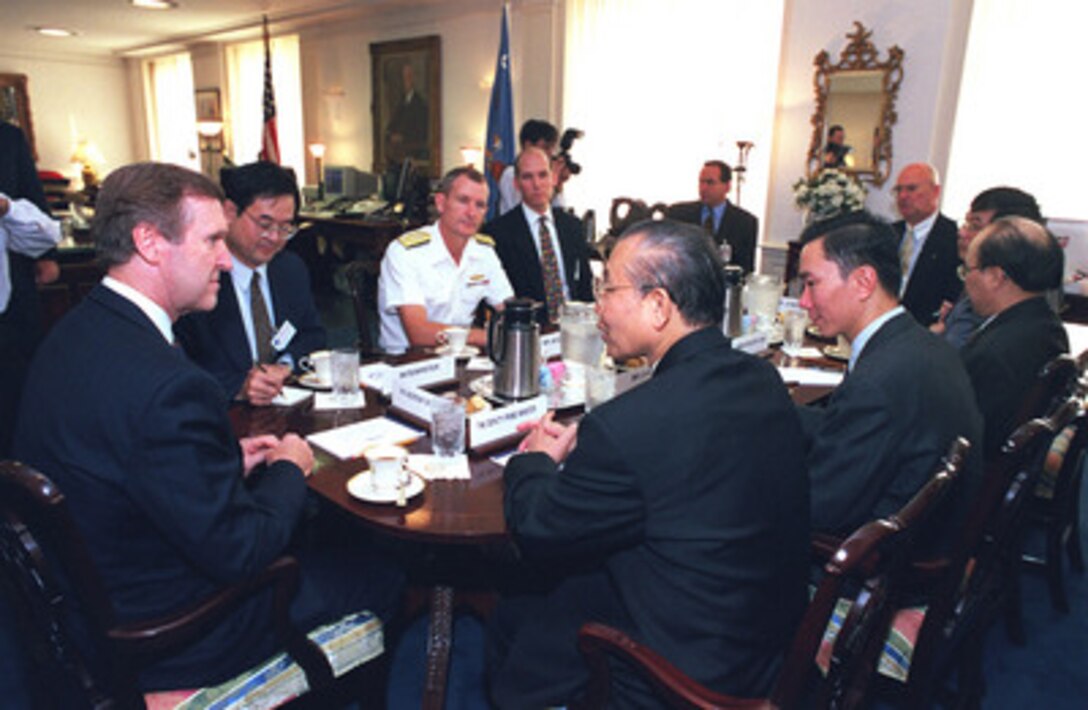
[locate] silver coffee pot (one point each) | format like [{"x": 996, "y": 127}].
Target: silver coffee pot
[{"x": 513, "y": 343}]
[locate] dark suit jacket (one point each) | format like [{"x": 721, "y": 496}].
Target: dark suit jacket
[
  {"x": 216, "y": 340},
  {"x": 137, "y": 438},
  {"x": 738, "y": 227},
  {"x": 1003, "y": 358},
  {"x": 884, "y": 429},
  {"x": 934, "y": 278},
  {"x": 517, "y": 252},
  {"x": 692, "y": 492}
]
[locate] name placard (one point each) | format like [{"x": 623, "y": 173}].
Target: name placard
[
  {"x": 489, "y": 426},
  {"x": 378, "y": 376},
  {"x": 752, "y": 343},
  {"x": 427, "y": 372},
  {"x": 414, "y": 401},
  {"x": 550, "y": 346},
  {"x": 630, "y": 378}
]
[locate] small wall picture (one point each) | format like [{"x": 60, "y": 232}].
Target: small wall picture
[
  {"x": 406, "y": 103},
  {"x": 15, "y": 106},
  {"x": 208, "y": 107}
]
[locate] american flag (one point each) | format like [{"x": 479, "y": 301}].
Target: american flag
[{"x": 270, "y": 142}]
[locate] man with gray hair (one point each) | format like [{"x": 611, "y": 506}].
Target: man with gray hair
[
  {"x": 927, "y": 244},
  {"x": 682, "y": 503},
  {"x": 1007, "y": 270}
]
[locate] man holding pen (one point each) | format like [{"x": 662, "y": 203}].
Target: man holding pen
[{"x": 266, "y": 319}]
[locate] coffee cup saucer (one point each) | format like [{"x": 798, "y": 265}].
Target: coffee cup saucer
[
  {"x": 361, "y": 486},
  {"x": 465, "y": 352},
  {"x": 312, "y": 381}
]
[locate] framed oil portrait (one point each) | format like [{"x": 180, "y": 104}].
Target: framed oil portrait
[
  {"x": 208, "y": 107},
  {"x": 15, "y": 106},
  {"x": 406, "y": 95}
]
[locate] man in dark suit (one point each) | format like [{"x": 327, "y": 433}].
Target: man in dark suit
[
  {"x": 682, "y": 504},
  {"x": 170, "y": 503},
  {"x": 906, "y": 396},
  {"x": 266, "y": 319},
  {"x": 1008, "y": 268},
  {"x": 530, "y": 262},
  {"x": 927, "y": 244},
  {"x": 725, "y": 221}
]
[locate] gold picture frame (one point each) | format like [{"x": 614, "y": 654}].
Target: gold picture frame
[
  {"x": 406, "y": 104},
  {"x": 15, "y": 107}
]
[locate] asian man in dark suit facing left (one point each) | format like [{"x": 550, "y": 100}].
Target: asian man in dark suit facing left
[
  {"x": 265, "y": 294},
  {"x": 170, "y": 503},
  {"x": 905, "y": 397},
  {"x": 519, "y": 240},
  {"x": 685, "y": 498}
]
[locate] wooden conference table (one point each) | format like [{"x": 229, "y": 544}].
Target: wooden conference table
[{"x": 446, "y": 516}]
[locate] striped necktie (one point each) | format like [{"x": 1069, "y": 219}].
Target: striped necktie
[
  {"x": 262, "y": 324},
  {"x": 553, "y": 284},
  {"x": 906, "y": 252}
]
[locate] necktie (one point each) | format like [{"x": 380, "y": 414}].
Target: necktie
[
  {"x": 553, "y": 285},
  {"x": 262, "y": 324},
  {"x": 906, "y": 251},
  {"x": 708, "y": 223}
]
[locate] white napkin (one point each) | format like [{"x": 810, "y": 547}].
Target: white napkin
[
  {"x": 352, "y": 440},
  {"x": 482, "y": 364},
  {"x": 810, "y": 376},
  {"x": 434, "y": 468},
  {"x": 290, "y": 396},
  {"x": 324, "y": 401},
  {"x": 809, "y": 352}
]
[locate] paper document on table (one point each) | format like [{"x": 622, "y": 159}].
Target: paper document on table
[
  {"x": 290, "y": 396},
  {"x": 810, "y": 376},
  {"x": 435, "y": 468},
  {"x": 354, "y": 439}
]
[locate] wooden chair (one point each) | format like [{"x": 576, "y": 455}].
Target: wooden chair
[
  {"x": 872, "y": 559},
  {"x": 1054, "y": 383},
  {"x": 1055, "y": 507},
  {"x": 52, "y": 575},
  {"x": 362, "y": 279}
]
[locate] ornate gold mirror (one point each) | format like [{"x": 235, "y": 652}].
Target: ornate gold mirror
[{"x": 855, "y": 109}]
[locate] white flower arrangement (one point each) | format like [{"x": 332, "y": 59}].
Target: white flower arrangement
[{"x": 828, "y": 193}]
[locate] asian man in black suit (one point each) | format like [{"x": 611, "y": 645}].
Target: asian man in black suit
[
  {"x": 538, "y": 265},
  {"x": 927, "y": 244},
  {"x": 265, "y": 320},
  {"x": 726, "y": 222},
  {"x": 905, "y": 398},
  {"x": 683, "y": 502}
]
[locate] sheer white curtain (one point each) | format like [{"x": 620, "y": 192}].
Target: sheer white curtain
[
  {"x": 660, "y": 87},
  {"x": 245, "y": 76},
  {"x": 171, "y": 110},
  {"x": 1022, "y": 106}
]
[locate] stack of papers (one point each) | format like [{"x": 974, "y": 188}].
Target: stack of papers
[
  {"x": 290, "y": 396},
  {"x": 353, "y": 440},
  {"x": 810, "y": 376}
]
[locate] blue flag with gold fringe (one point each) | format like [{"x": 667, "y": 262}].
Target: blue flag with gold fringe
[{"x": 499, "y": 150}]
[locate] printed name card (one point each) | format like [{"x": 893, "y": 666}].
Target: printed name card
[
  {"x": 378, "y": 376},
  {"x": 550, "y": 346},
  {"x": 489, "y": 426},
  {"x": 752, "y": 343},
  {"x": 427, "y": 372},
  {"x": 414, "y": 401}
]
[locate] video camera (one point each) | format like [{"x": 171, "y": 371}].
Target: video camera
[{"x": 565, "y": 144}]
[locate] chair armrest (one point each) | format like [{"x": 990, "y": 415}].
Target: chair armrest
[
  {"x": 823, "y": 546},
  {"x": 597, "y": 641},
  {"x": 154, "y": 636}
]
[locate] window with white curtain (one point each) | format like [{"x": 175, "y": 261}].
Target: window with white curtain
[
  {"x": 1021, "y": 109},
  {"x": 171, "y": 110},
  {"x": 245, "y": 76},
  {"x": 661, "y": 87}
]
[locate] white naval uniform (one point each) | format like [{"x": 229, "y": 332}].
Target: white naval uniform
[{"x": 418, "y": 270}]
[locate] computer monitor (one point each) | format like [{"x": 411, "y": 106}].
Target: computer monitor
[{"x": 346, "y": 181}]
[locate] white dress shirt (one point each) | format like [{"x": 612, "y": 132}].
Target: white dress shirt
[{"x": 25, "y": 230}]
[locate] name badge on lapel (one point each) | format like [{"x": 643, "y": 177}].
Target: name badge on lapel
[{"x": 284, "y": 336}]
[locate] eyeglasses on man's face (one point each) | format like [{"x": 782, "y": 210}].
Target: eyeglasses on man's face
[
  {"x": 271, "y": 228},
  {"x": 963, "y": 269},
  {"x": 602, "y": 288}
]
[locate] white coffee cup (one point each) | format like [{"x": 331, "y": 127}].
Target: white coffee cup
[
  {"x": 455, "y": 337},
  {"x": 389, "y": 464},
  {"x": 318, "y": 362}
]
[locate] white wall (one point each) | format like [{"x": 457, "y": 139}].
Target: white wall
[
  {"x": 73, "y": 98},
  {"x": 931, "y": 34}
]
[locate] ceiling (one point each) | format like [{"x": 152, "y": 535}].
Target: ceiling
[{"x": 115, "y": 28}]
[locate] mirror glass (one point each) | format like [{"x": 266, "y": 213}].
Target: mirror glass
[{"x": 855, "y": 109}]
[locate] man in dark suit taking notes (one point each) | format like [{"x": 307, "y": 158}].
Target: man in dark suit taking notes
[
  {"x": 265, "y": 320},
  {"x": 685, "y": 498}
]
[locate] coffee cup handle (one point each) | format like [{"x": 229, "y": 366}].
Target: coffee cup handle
[
  {"x": 305, "y": 363},
  {"x": 441, "y": 337}
]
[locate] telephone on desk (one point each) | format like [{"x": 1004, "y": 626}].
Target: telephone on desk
[{"x": 346, "y": 207}]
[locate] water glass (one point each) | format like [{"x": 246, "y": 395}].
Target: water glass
[
  {"x": 579, "y": 339},
  {"x": 600, "y": 386},
  {"x": 793, "y": 330},
  {"x": 448, "y": 427},
  {"x": 345, "y": 374}
]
